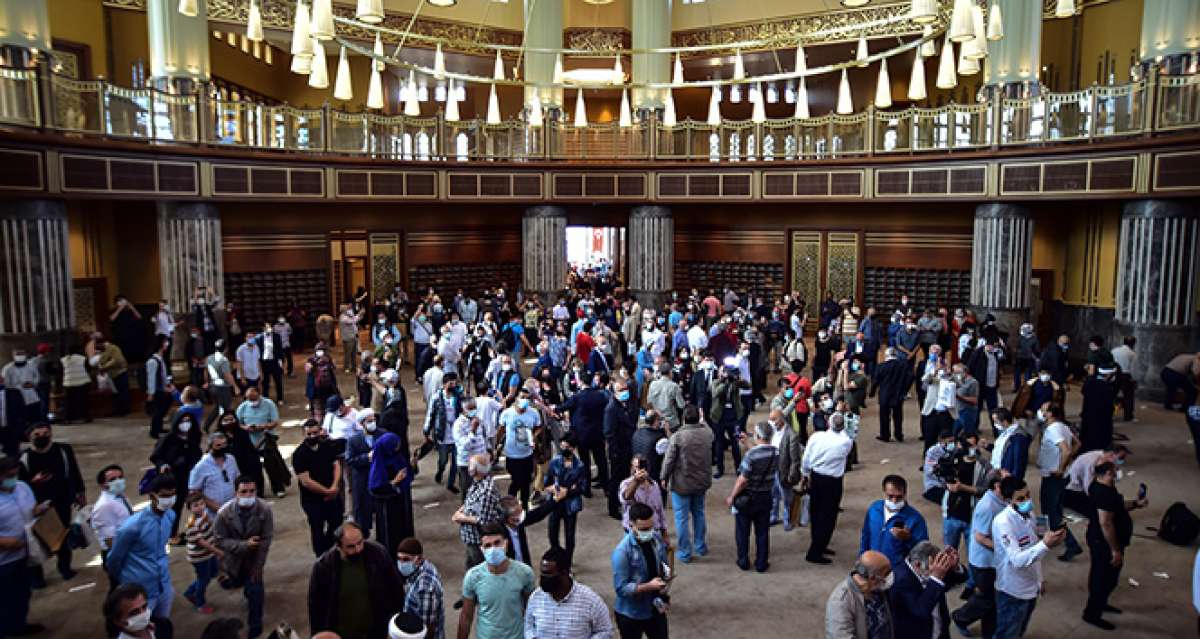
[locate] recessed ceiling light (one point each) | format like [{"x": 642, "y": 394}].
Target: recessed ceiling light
[
  {"x": 855, "y": 3},
  {"x": 443, "y": 3}
]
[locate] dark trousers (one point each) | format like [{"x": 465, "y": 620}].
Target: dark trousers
[
  {"x": 725, "y": 436},
  {"x": 1023, "y": 371},
  {"x": 931, "y": 426},
  {"x": 324, "y": 516},
  {"x": 222, "y": 397},
  {"x": 825, "y": 497},
  {"x": 287, "y": 360},
  {"x": 464, "y": 480},
  {"x": 272, "y": 371},
  {"x": 1176, "y": 382},
  {"x": 63, "y": 556},
  {"x": 393, "y": 520},
  {"x": 653, "y": 628},
  {"x": 618, "y": 465},
  {"x": 1194, "y": 426},
  {"x": 158, "y": 412},
  {"x": 255, "y": 593},
  {"x": 759, "y": 516},
  {"x": 120, "y": 394},
  {"x": 982, "y": 604},
  {"x": 1051, "y": 497},
  {"x": 568, "y": 522},
  {"x": 988, "y": 399},
  {"x": 891, "y": 419},
  {"x": 595, "y": 454},
  {"x": 1102, "y": 578},
  {"x": 15, "y": 591},
  {"x": 1127, "y": 387},
  {"x": 521, "y": 471},
  {"x": 78, "y": 404},
  {"x": 747, "y": 408},
  {"x": 446, "y": 458}
]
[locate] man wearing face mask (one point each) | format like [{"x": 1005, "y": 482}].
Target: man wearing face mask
[
  {"x": 111, "y": 508},
  {"x": 586, "y": 408},
  {"x": 823, "y": 466},
  {"x": 481, "y": 507},
  {"x": 51, "y": 470},
  {"x": 1036, "y": 392},
  {"x": 138, "y": 554},
  {"x": 423, "y": 591},
  {"x": 907, "y": 343},
  {"x": 891, "y": 381},
  {"x": 918, "y": 596},
  {"x": 1054, "y": 359},
  {"x": 271, "y": 356},
  {"x": 17, "y": 509},
  {"x": 1096, "y": 416},
  {"x": 22, "y": 375},
  {"x": 940, "y": 408},
  {"x": 563, "y": 607},
  {"x": 214, "y": 475},
  {"x": 520, "y": 421},
  {"x": 893, "y": 527},
  {"x": 358, "y": 465},
  {"x": 641, "y": 578},
  {"x": 981, "y": 556},
  {"x": 244, "y": 529},
  {"x": 1082, "y": 471},
  {"x": 320, "y": 477},
  {"x": 1028, "y": 351},
  {"x": 1010, "y": 454},
  {"x": 219, "y": 382},
  {"x": 470, "y": 439},
  {"x": 619, "y": 427},
  {"x": 445, "y": 407},
  {"x": 858, "y": 607},
  {"x": 127, "y": 615},
  {"x": 351, "y": 590},
  {"x": 495, "y": 592},
  {"x": 983, "y": 365},
  {"x": 1109, "y": 531},
  {"x": 1018, "y": 557}
]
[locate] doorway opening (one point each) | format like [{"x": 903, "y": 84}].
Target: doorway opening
[{"x": 595, "y": 251}]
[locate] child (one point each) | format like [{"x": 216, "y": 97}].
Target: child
[{"x": 201, "y": 551}]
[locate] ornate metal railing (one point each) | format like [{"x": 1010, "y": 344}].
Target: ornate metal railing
[{"x": 1156, "y": 104}]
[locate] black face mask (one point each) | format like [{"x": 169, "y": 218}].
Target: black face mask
[
  {"x": 550, "y": 583},
  {"x": 41, "y": 442},
  {"x": 218, "y": 453},
  {"x": 312, "y": 442}
]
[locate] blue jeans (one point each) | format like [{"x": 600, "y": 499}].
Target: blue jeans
[
  {"x": 1012, "y": 615},
  {"x": 1051, "y": 496},
  {"x": 685, "y": 506},
  {"x": 781, "y": 496},
  {"x": 968, "y": 421},
  {"x": 255, "y": 593},
  {"x": 952, "y": 531},
  {"x": 205, "y": 572}
]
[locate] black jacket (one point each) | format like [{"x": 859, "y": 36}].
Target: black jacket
[
  {"x": 179, "y": 453},
  {"x": 384, "y": 584},
  {"x": 59, "y": 460},
  {"x": 913, "y": 604},
  {"x": 587, "y": 414},
  {"x": 891, "y": 381},
  {"x": 699, "y": 392},
  {"x": 394, "y": 418},
  {"x": 276, "y": 347},
  {"x": 531, "y": 517},
  {"x": 618, "y": 429}
]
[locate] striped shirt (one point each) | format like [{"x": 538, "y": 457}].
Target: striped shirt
[
  {"x": 582, "y": 614},
  {"x": 199, "y": 529}
]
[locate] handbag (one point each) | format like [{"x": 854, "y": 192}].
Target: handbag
[{"x": 37, "y": 552}]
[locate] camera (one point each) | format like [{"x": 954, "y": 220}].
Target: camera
[{"x": 947, "y": 467}]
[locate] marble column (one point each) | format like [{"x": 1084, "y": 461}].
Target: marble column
[
  {"x": 544, "y": 245},
  {"x": 1001, "y": 263},
  {"x": 36, "y": 296},
  {"x": 651, "y": 29},
  {"x": 543, "y": 30},
  {"x": 1159, "y": 257},
  {"x": 189, "y": 252},
  {"x": 651, "y": 242}
]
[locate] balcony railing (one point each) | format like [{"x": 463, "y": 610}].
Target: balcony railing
[{"x": 1157, "y": 104}]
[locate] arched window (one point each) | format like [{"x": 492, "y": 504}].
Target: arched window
[
  {"x": 461, "y": 147},
  {"x": 423, "y": 146},
  {"x": 714, "y": 148}
]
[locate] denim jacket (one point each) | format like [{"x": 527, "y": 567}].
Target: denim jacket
[
  {"x": 574, "y": 479},
  {"x": 629, "y": 570}
]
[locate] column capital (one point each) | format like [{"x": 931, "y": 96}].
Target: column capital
[
  {"x": 650, "y": 211},
  {"x": 993, "y": 210},
  {"x": 33, "y": 210},
  {"x": 545, "y": 210},
  {"x": 188, "y": 211},
  {"x": 1147, "y": 209}
]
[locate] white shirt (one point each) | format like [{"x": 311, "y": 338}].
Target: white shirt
[
  {"x": 1018, "y": 555},
  {"x": 431, "y": 383},
  {"x": 1001, "y": 443},
  {"x": 826, "y": 453},
  {"x": 489, "y": 411},
  {"x": 17, "y": 376},
  {"x": 697, "y": 339},
  {"x": 1083, "y": 470},
  {"x": 1124, "y": 357},
  {"x": 247, "y": 356},
  {"x": 107, "y": 516},
  {"x": 268, "y": 347},
  {"x": 946, "y": 396},
  {"x": 1049, "y": 454},
  {"x": 164, "y": 324},
  {"x": 341, "y": 426}
]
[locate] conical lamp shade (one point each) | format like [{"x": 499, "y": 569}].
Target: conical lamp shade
[
  {"x": 714, "y": 107},
  {"x": 966, "y": 64},
  {"x": 493, "y": 112},
  {"x": 580, "y": 109},
  {"x": 929, "y": 48},
  {"x": 883, "y": 87},
  {"x": 302, "y": 64},
  {"x": 801, "y": 101},
  {"x": 451, "y": 103},
  {"x": 923, "y": 11},
  {"x": 845, "y": 105},
  {"x": 188, "y": 8},
  {"x": 801, "y": 60},
  {"x": 739, "y": 66},
  {"x": 439, "y": 63},
  {"x": 995, "y": 25},
  {"x": 861, "y": 56},
  {"x": 978, "y": 44},
  {"x": 498, "y": 69},
  {"x": 412, "y": 105},
  {"x": 535, "y": 110},
  {"x": 758, "y": 112},
  {"x": 378, "y": 51},
  {"x": 318, "y": 77},
  {"x": 626, "y": 119},
  {"x": 375, "y": 90},
  {"x": 1064, "y": 9},
  {"x": 369, "y": 11},
  {"x": 961, "y": 27},
  {"x": 342, "y": 88},
  {"x": 916, "y": 81},
  {"x": 322, "y": 20},
  {"x": 946, "y": 78},
  {"x": 618, "y": 72},
  {"x": 254, "y": 30},
  {"x": 301, "y": 44},
  {"x": 677, "y": 77},
  {"x": 668, "y": 120},
  {"x": 558, "y": 69}
]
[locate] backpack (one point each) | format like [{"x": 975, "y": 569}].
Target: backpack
[
  {"x": 1179, "y": 526},
  {"x": 507, "y": 340}
]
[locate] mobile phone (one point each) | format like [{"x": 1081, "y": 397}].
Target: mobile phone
[
  {"x": 1141, "y": 491},
  {"x": 1042, "y": 524},
  {"x": 898, "y": 524}
]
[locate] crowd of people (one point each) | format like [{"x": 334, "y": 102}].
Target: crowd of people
[{"x": 588, "y": 397}]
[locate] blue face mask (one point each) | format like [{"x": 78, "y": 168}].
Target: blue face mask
[
  {"x": 787, "y": 392},
  {"x": 1025, "y": 507},
  {"x": 407, "y": 568},
  {"x": 644, "y": 536},
  {"x": 522, "y": 403},
  {"x": 623, "y": 395},
  {"x": 9, "y": 483},
  {"x": 494, "y": 556}
]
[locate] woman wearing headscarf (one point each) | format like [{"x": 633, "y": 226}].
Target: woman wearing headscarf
[
  {"x": 242, "y": 449},
  {"x": 390, "y": 485},
  {"x": 176, "y": 452}
]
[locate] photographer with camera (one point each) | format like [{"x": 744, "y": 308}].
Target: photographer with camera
[
  {"x": 934, "y": 475},
  {"x": 727, "y": 414}
]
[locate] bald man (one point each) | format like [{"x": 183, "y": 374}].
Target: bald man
[{"x": 858, "y": 606}]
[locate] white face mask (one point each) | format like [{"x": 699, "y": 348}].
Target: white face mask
[
  {"x": 370, "y": 426},
  {"x": 1041, "y": 416},
  {"x": 889, "y": 581},
  {"x": 138, "y": 622},
  {"x": 166, "y": 503},
  {"x": 1045, "y": 378},
  {"x": 893, "y": 506},
  {"x": 185, "y": 426},
  {"x": 245, "y": 502}
]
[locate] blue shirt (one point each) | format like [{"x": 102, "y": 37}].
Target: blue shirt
[
  {"x": 517, "y": 332},
  {"x": 16, "y": 510},
  {"x": 518, "y": 431},
  {"x": 138, "y": 553},
  {"x": 558, "y": 351},
  {"x": 877, "y": 532},
  {"x": 216, "y": 482},
  {"x": 986, "y": 509},
  {"x": 630, "y": 569}
]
